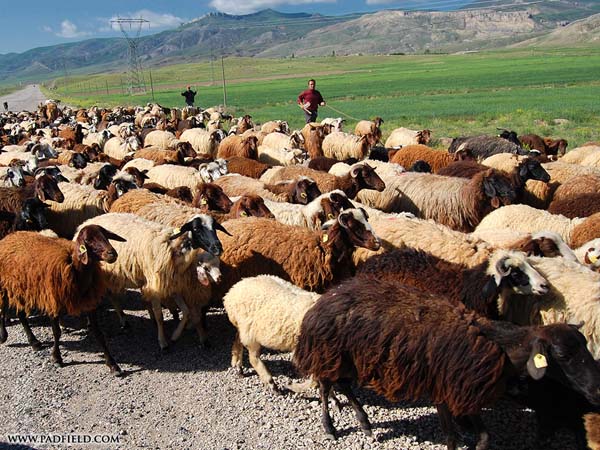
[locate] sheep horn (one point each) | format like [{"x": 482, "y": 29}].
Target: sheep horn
[
  {"x": 355, "y": 169},
  {"x": 502, "y": 268}
]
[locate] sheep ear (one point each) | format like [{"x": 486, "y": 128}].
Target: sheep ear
[
  {"x": 490, "y": 288},
  {"x": 83, "y": 254},
  {"x": 537, "y": 362},
  {"x": 220, "y": 227},
  {"x": 112, "y": 236},
  {"x": 343, "y": 219},
  {"x": 488, "y": 188}
]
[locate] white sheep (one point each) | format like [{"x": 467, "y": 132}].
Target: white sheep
[
  {"x": 161, "y": 261},
  {"x": 340, "y": 145},
  {"x": 577, "y": 155},
  {"x": 266, "y": 312},
  {"x": 172, "y": 176},
  {"x": 119, "y": 148},
  {"x": 527, "y": 219},
  {"x": 140, "y": 164},
  {"x": 99, "y": 138},
  {"x": 336, "y": 123},
  {"x": 203, "y": 142},
  {"x": 281, "y": 156},
  {"x": 405, "y": 136},
  {"x": 164, "y": 140}
]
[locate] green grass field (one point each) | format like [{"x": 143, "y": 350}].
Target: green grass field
[{"x": 525, "y": 90}]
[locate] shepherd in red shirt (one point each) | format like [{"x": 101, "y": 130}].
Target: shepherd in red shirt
[{"x": 310, "y": 100}]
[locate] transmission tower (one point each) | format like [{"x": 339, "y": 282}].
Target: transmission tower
[{"x": 131, "y": 29}]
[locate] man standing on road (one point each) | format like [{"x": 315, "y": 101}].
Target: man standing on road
[
  {"x": 310, "y": 100},
  {"x": 5, "y": 106},
  {"x": 189, "y": 96}
]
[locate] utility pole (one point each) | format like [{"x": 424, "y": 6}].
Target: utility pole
[
  {"x": 136, "y": 75},
  {"x": 224, "y": 84}
]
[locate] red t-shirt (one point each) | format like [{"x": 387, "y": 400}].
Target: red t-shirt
[{"x": 312, "y": 96}]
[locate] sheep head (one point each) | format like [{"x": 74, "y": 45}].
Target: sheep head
[
  {"x": 304, "y": 191},
  {"x": 366, "y": 177},
  {"x": 201, "y": 233},
  {"x": 210, "y": 197},
  {"x": 92, "y": 245},
  {"x": 251, "y": 205},
  {"x": 510, "y": 270}
]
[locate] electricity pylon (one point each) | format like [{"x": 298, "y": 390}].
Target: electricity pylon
[{"x": 136, "y": 76}]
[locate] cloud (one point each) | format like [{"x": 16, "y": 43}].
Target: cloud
[
  {"x": 69, "y": 30},
  {"x": 237, "y": 7},
  {"x": 155, "y": 19},
  {"x": 47, "y": 29}
]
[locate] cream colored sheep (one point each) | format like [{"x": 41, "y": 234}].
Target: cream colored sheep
[
  {"x": 202, "y": 141},
  {"x": 340, "y": 145},
  {"x": 405, "y": 136},
  {"x": 577, "y": 155},
  {"x": 266, "y": 312},
  {"x": 163, "y": 140},
  {"x": 281, "y": 156},
  {"x": 172, "y": 176},
  {"x": 119, "y": 148}
]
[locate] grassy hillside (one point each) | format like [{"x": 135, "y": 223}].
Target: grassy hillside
[{"x": 451, "y": 94}]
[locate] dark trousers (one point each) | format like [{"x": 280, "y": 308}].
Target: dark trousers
[{"x": 310, "y": 116}]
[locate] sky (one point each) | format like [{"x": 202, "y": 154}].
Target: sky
[{"x": 40, "y": 23}]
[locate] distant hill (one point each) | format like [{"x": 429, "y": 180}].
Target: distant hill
[
  {"x": 581, "y": 32},
  {"x": 269, "y": 33}
]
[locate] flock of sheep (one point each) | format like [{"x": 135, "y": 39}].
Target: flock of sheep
[{"x": 457, "y": 276}]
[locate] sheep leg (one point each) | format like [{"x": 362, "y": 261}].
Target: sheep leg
[
  {"x": 110, "y": 362},
  {"x": 324, "y": 389},
  {"x": 3, "y": 333},
  {"x": 360, "y": 413},
  {"x": 175, "y": 314},
  {"x": 237, "y": 354},
  {"x": 447, "y": 425},
  {"x": 158, "y": 317},
  {"x": 259, "y": 366},
  {"x": 484, "y": 437},
  {"x": 185, "y": 313},
  {"x": 56, "y": 357},
  {"x": 119, "y": 310},
  {"x": 35, "y": 344}
]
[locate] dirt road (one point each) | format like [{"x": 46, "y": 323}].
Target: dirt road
[{"x": 26, "y": 99}]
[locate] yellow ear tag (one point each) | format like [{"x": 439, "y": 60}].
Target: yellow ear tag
[
  {"x": 593, "y": 258},
  {"x": 203, "y": 201},
  {"x": 82, "y": 249},
  {"x": 539, "y": 361},
  {"x": 325, "y": 237},
  {"x": 175, "y": 231},
  {"x": 330, "y": 216},
  {"x": 303, "y": 194}
]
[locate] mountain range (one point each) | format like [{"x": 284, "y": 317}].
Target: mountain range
[{"x": 483, "y": 24}]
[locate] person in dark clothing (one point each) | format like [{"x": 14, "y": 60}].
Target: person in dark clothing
[
  {"x": 5, "y": 106},
  {"x": 189, "y": 96},
  {"x": 310, "y": 100}
]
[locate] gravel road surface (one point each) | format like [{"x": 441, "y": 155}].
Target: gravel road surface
[
  {"x": 188, "y": 398},
  {"x": 26, "y": 99}
]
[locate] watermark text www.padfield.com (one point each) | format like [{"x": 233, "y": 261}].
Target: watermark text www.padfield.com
[{"x": 63, "y": 439}]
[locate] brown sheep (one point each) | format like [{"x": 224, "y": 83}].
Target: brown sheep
[
  {"x": 246, "y": 166},
  {"x": 582, "y": 184},
  {"x": 244, "y": 124},
  {"x": 316, "y": 260},
  {"x": 246, "y": 206},
  {"x": 55, "y": 276},
  {"x": 314, "y": 134},
  {"x": 301, "y": 190},
  {"x": 210, "y": 197},
  {"x": 235, "y": 145},
  {"x": 408, "y": 345},
  {"x": 592, "y": 427},
  {"x": 372, "y": 127},
  {"x": 437, "y": 159},
  {"x": 360, "y": 176},
  {"x": 582, "y": 205}
]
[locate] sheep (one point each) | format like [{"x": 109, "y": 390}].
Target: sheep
[
  {"x": 56, "y": 276},
  {"x": 592, "y": 426},
  {"x": 560, "y": 171},
  {"x": 118, "y": 148},
  {"x": 203, "y": 142},
  {"x": 312, "y": 215},
  {"x": 360, "y": 176},
  {"x": 340, "y": 145},
  {"x": 280, "y": 156},
  {"x": 589, "y": 254},
  {"x": 316, "y": 260},
  {"x": 161, "y": 261},
  {"x": 404, "y": 136},
  {"x": 335, "y": 124},
  {"x": 584, "y": 230},
  {"x": 485, "y": 146},
  {"x": 369, "y": 127},
  {"x": 533, "y": 142},
  {"x": 278, "y": 140},
  {"x": 313, "y": 138},
  {"x": 582, "y": 205},
  {"x": 246, "y": 166},
  {"x": 266, "y": 311},
  {"x": 140, "y": 164},
  {"x": 577, "y": 155},
  {"x": 400, "y": 231},
  {"x": 171, "y": 176},
  {"x": 13, "y": 175},
  {"x": 237, "y": 146},
  {"x": 80, "y": 203},
  {"x": 487, "y": 288},
  {"x": 210, "y": 197},
  {"x": 531, "y": 220},
  {"x": 437, "y": 159},
  {"x": 248, "y": 205},
  {"x": 455, "y": 202},
  {"x": 99, "y": 138},
  {"x": 408, "y": 345},
  {"x": 547, "y": 146},
  {"x": 280, "y": 126},
  {"x": 584, "y": 184},
  {"x": 301, "y": 190},
  {"x": 30, "y": 216},
  {"x": 159, "y": 157}
]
